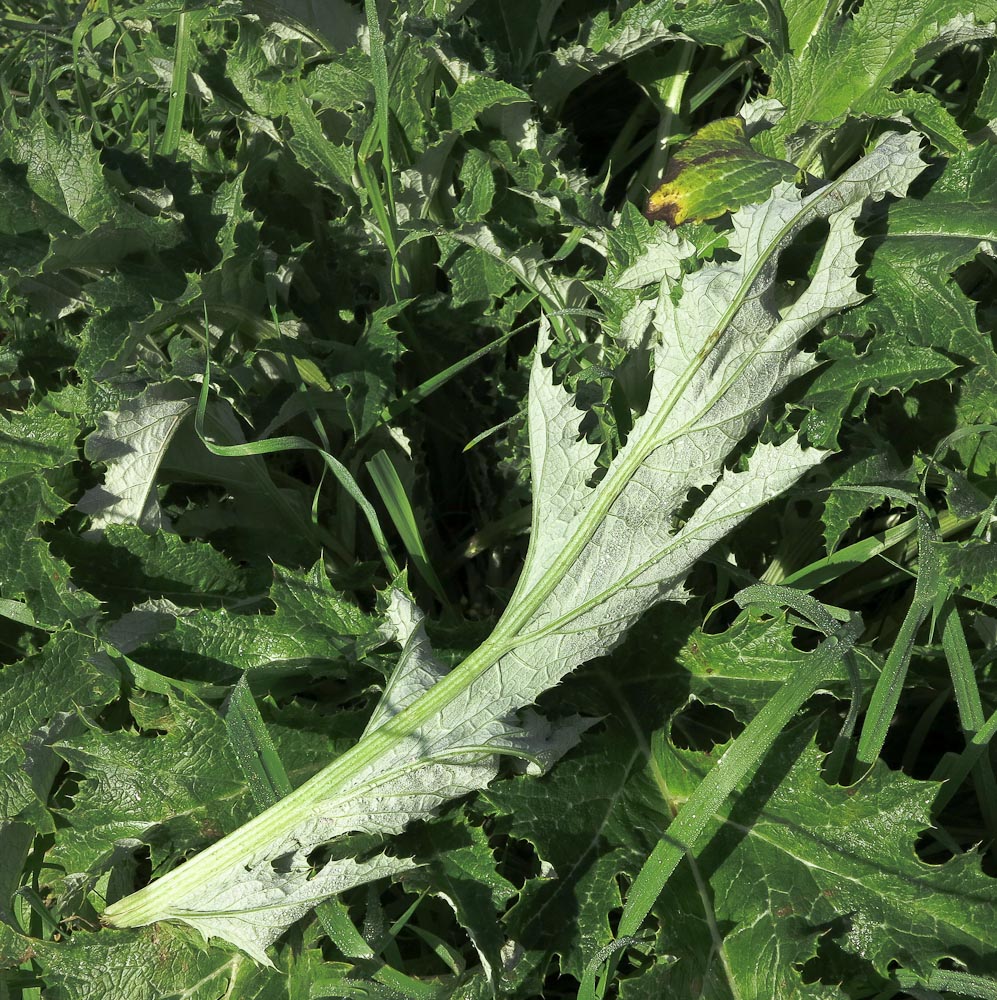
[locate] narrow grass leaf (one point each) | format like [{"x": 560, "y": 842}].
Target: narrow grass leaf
[
  {"x": 886, "y": 695},
  {"x": 178, "y": 85},
  {"x": 739, "y": 761},
  {"x": 276, "y": 445},
  {"x": 396, "y": 501},
  {"x": 253, "y": 747}
]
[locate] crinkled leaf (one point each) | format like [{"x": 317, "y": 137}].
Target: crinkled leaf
[
  {"x": 605, "y": 41},
  {"x": 846, "y": 385},
  {"x": 872, "y": 461},
  {"x": 313, "y": 629},
  {"x": 459, "y": 867},
  {"x": 31, "y": 442},
  {"x": 741, "y": 668},
  {"x": 608, "y": 830},
  {"x": 331, "y": 162},
  {"x": 846, "y": 64},
  {"x": 38, "y": 697},
  {"x": 63, "y": 170},
  {"x": 917, "y": 297},
  {"x": 30, "y": 569},
  {"x": 171, "y": 789},
  {"x": 797, "y": 863},
  {"x": 36, "y": 439},
  {"x": 131, "y": 442},
  {"x": 977, "y": 393},
  {"x": 971, "y": 567},
  {"x": 476, "y": 95},
  {"x": 925, "y": 323},
  {"x": 128, "y": 566},
  {"x": 152, "y": 965}
]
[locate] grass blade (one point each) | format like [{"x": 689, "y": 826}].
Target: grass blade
[
  {"x": 272, "y": 446},
  {"x": 178, "y": 87},
  {"x": 967, "y": 693},
  {"x": 886, "y": 695},
  {"x": 253, "y": 747},
  {"x": 392, "y": 491}
]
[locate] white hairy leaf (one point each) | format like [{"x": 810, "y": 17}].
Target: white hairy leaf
[{"x": 601, "y": 553}]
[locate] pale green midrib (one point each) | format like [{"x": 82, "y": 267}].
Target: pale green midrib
[
  {"x": 153, "y": 902},
  {"x": 940, "y": 234},
  {"x": 679, "y": 540}
]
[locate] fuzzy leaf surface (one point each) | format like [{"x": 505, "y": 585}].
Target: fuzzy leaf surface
[{"x": 600, "y": 555}]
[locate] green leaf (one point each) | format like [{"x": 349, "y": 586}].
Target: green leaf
[
  {"x": 170, "y": 788},
  {"x": 460, "y": 868},
  {"x": 313, "y": 630},
  {"x": 98, "y": 227},
  {"x": 795, "y": 860},
  {"x": 126, "y": 566},
  {"x": 337, "y": 21},
  {"x": 478, "y": 181},
  {"x": 845, "y": 64},
  {"x": 871, "y": 461},
  {"x": 977, "y": 392},
  {"x": 399, "y": 507},
  {"x": 39, "y": 699},
  {"x": 332, "y": 163},
  {"x": 253, "y": 747},
  {"x": 605, "y": 41},
  {"x": 22, "y": 212},
  {"x": 36, "y": 439},
  {"x": 366, "y": 371},
  {"x": 917, "y": 297},
  {"x": 609, "y": 828},
  {"x": 478, "y": 94},
  {"x": 970, "y": 567},
  {"x": 30, "y": 570},
  {"x": 740, "y": 669},
  {"x": 152, "y": 965},
  {"x": 845, "y": 387},
  {"x": 714, "y": 171},
  {"x": 63, "y": 170},
  {"x": 476, "y": 275}
]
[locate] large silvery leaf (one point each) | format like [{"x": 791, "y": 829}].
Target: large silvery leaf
[{"x": 601, "y": 553}]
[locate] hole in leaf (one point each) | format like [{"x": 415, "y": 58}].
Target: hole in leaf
[
  {"x": 797, "y": 261},
  {"x": 516, "y": 860},
  {"x": 283, "y": 863},
  {"x": 805, "y": 638},
  {"x": 560, "y": 984},
  {"x": 318, "y": 857},
  {"x": 143, "y": 866},
  {"x": 701, "y": 727}
]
